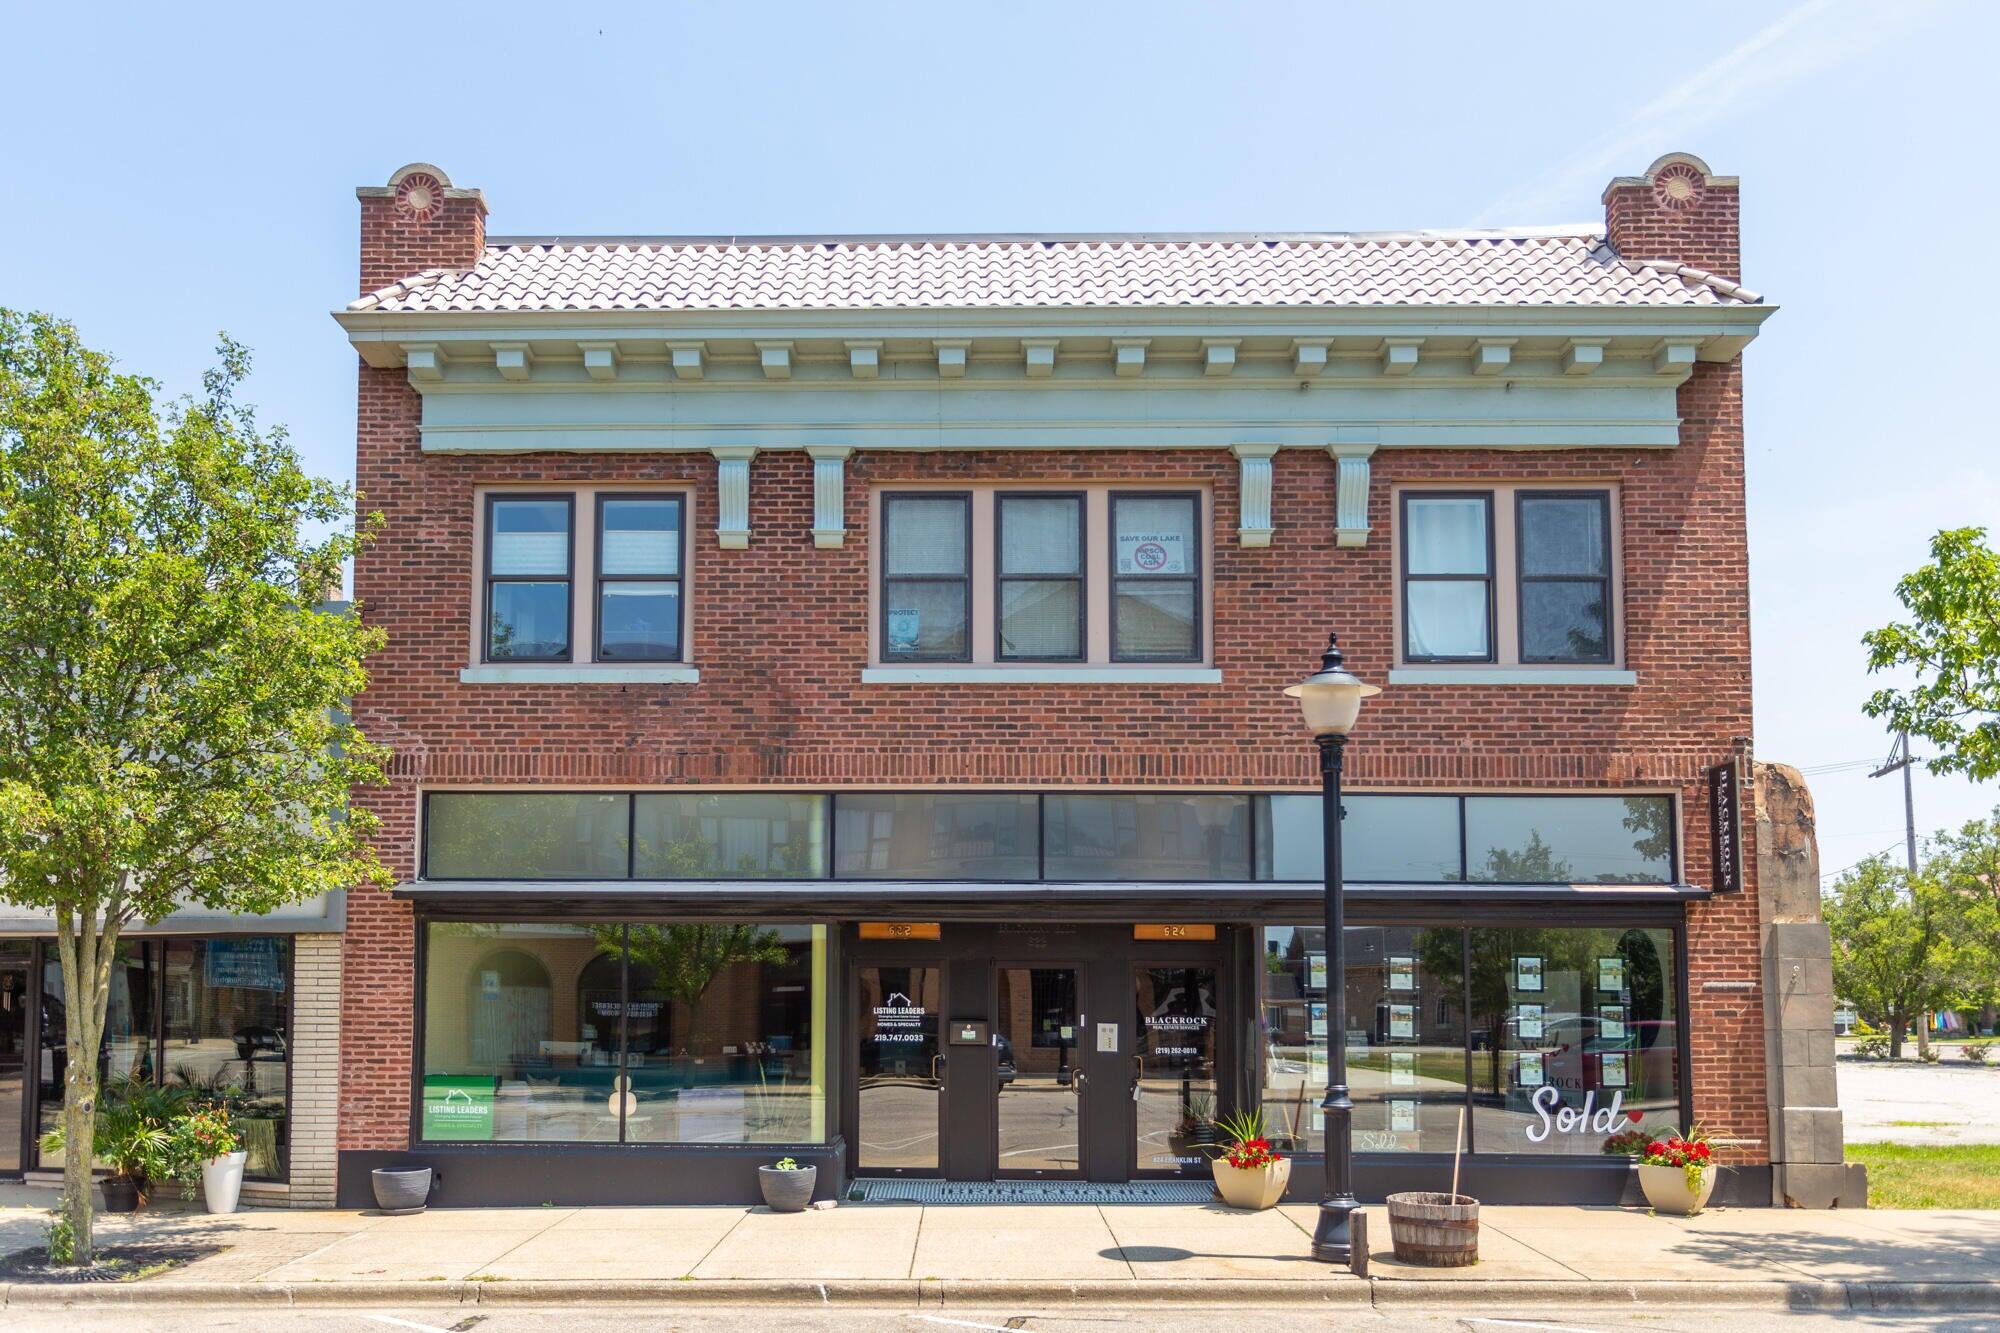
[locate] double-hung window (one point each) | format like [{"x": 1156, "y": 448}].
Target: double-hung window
[
  {"x": 927, "y": 577},
  {"x": 1447, "y": 577},
  {"x": 1516, "y": 576},
  {"x": 1039, "y": 566},
  {"x": 639, "y": 559},
  {"x": 1564, "y": 546},
  {"x": 529, "y": 555},
  {"x": 1155, "y": 576}
]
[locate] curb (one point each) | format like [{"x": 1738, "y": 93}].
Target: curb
[{"x": 931, "y": 1293}]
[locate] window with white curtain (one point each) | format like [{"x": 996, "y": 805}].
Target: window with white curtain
[
  {"x": 1039, "y": 596},
  {"x": 529, "y": 553},
  {"x": 927, "y": 577},
  {"x": 1510, "y": 576}
]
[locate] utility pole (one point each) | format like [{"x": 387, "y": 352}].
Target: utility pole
[{"x": 1899, "y": 758}]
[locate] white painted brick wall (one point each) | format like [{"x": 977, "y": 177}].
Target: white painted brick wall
[{"x": 315, "y": 1074}]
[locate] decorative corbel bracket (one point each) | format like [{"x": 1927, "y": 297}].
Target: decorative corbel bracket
[
  {"x": 732, "y": 495},
  {"x": 776, "y": 359},
  {"x": 829, "y": 494},
  {"x": 425, "y": 362},
  {"x": 1039, "y": 354},
  {"x": 1350, "y": 463},
  {"x": 1253, "y": 504},
  {"x": 600, "y": 360},
  {"x": 951, "y": 354},
  {"x": 514, "y": 361},
  {"x": 1128, "y": 356},
  {"x": 864, "y": 358}
]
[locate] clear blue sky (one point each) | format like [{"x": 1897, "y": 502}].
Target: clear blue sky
[{"x": 171, "y": 171}]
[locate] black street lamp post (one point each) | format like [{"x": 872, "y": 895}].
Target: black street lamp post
[{"x": 1331, "y": 701}]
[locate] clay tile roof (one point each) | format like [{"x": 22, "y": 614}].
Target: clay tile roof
[{"x": 1576, "y": 268}]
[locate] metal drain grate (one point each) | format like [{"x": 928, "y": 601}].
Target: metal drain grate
[{"x": 1029, "y": 1191}]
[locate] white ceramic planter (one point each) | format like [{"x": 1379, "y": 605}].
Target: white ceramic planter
[
  {"x": 1255, "y": 1188},
  {"x": 1667, "y": 1190},
  {"x": 222, "y": 1181}
]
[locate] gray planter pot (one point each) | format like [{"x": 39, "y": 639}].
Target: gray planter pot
[
  {"x": 401, "y": 1191},
  {"x": 787, "y": 1191}
]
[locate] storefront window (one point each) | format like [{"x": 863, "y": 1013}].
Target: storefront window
[
  {"x": 1405, "y": 1036},
  {"x": 1507, "y": 839},
  {"x": 1569, "y": 839},
  {"x": 128, "y": 1050},
  {"x": 729, "y": 835},
  {"x": 227, "y": 1034},
  {"x": 1159, "y": 838},
  {"x": 699, "y": 1033},
  {"x": 924, "y": 836},
  {"x": 526, "y": 835},
  {"x": 1575, "y": 1037}
]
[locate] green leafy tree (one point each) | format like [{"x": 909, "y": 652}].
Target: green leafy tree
[
  {"x": 171, "y": 729},
  {"x": 1901, "y": 945},
  {"x": 685, "y": 960},
  {"x": 1952, "y": 644}
]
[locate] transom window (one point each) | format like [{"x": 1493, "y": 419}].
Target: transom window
[{"x": 1554, "y": 603}]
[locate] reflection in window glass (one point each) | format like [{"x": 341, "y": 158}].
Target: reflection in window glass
[
  {"x": 1569, "y": 839},
  {"x": 923, "y": 836},
  {"x": 127, "y": 1049},
  {"x": 1405, "y": 1036},
  {"x": 517, "y": 1046},
  {"x": 528, "y": 571},
  {"x": 227, "y": 1035},
  {"x": 1384, "y": 839},
  {"x": 1572, "y": 1019},
  {"x": 723, "y": 1048},
  {"x": 729, "y": 835},
  {"x": 1565, "y": 577},
  {"x": 1119, "y": 837},
  {"x": 526, "y": 835}
]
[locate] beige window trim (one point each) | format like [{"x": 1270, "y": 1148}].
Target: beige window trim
[
  {"x": 1096, "y": 587},
  {"x": 583, "y": 594},
  {"x": 1507, "y": 667}
]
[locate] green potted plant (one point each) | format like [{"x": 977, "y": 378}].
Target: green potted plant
[
  {"x": 1249, "y": 1173},
  {"x": 132, "y": 1135},
  {"x": 1677, "y": 1173},
  {"x": 207, "y": 1143},
  {"x": 787, "y": 1186}
]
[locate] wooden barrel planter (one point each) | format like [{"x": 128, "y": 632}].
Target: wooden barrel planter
[{"x": 1435, "y": 1230}]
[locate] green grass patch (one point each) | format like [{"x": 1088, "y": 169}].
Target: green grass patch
[
  {"x": 1965, "y": 1175},
  {"x": 1920, "y": 1124},
  {"x": 1445, "y": 1066}
]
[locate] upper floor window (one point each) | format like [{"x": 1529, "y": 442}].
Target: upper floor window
[
  {"x": 639, "y": 547},
  {"x": 1511, "y": 575},
  {"x": 529, "y": 554},
  {"x": 1156, "y": 577},
  {"x": 927, "y": 577},
  {"x": 996, "y": 577}
]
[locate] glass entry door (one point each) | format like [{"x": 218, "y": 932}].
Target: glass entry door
[
  {"x": 900, "y": 1075},
  {"x": 1174, "y": 1102},
  {"x": 1038, "y": 1083}
]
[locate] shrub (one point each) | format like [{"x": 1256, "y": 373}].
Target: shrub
[
  {"x": 1977, "y": 1052},
  {"x": 1875, "y": 1048}
]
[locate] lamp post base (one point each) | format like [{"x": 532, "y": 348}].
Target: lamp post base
[{"x": 1341, "y": 1237}]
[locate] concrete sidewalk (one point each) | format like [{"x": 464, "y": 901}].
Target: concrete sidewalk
[{"x": 893, "y": 1254}]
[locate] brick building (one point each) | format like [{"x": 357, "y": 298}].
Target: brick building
[{"x": 836, "y": 693}]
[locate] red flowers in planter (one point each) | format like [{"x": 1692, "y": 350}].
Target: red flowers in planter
[
  {"x": 1249, "y": 1154},
  {"x": 1690, "y": 1154}
]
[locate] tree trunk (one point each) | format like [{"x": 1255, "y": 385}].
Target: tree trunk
[
  {"x": 85, "y": 955},
  {"x": 1923, "y": 1034},
  {"x": 1896, "y": 1023}
]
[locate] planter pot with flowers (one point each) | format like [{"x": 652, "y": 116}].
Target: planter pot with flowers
[
  {"x": 787, "y": 1187},
  {"x": 1678, "y": 1173},
  {"x": 133, "y": 1134},
  {"x": 208, "y": 1142},
  {"x": 1249, "y": 1173}
]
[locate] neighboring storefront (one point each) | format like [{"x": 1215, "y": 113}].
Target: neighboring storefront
[
  {"x": 836, "y": 695},
  {"x": 200, "y": 1002}
]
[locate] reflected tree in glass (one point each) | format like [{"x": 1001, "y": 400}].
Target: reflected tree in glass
[{"x": 685, "y": 960}]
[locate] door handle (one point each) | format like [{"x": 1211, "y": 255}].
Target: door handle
[
  {"x": 1076, "y": 1082},
  {"x": 936, "y": 1060}
]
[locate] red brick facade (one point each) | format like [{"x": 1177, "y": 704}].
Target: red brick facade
[{"x": 780, "y": 633}]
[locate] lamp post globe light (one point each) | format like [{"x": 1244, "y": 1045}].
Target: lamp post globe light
[{"x": 1330, "y": 700}]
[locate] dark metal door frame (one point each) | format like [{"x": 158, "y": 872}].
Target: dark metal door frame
[
  {"x": 915, "y": 957},
  {"x": 1090, "y": 1113},
  {"x": 1221, "y": 1035}
]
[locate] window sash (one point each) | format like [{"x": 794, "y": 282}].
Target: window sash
[
  {"x": 676, "y": 578},
  {"x": 962, "y": 578},
  {"x": 1192, "y": 580},
  {"x": 1603, "y": 581},
  {"x": 1001, "y": 578},
  {"x": 567, "y": 579},
  {"x": 1485, "y": 581}
]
